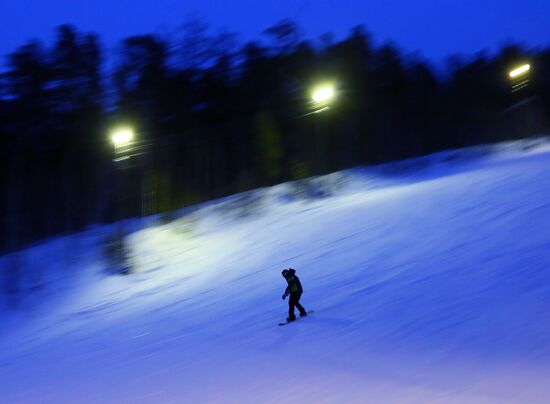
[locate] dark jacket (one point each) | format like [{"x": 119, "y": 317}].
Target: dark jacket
[{"x": 294, "y": 284}]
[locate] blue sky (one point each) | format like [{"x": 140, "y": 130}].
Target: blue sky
[{"x": 435, "y": 28}]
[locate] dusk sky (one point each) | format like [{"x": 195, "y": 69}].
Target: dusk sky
[{"x": 435, "y": 28}]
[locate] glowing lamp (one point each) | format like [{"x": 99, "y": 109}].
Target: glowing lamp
[
  {"x": 520, "y": 71},
  {"x": 323, "y": 94},
  {"x": 122, "y": 137}
]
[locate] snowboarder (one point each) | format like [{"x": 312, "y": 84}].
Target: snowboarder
[{"x": 294, "y": 289}]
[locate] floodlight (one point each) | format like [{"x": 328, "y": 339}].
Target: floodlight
[{"x": 520, "y": 71}]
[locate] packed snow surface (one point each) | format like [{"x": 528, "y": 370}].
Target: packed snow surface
[{"x": 429, "y": 278}]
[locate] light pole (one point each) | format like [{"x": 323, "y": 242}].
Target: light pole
[
  {"x": 122, "y": 140},
  {"x": 525, "y": 110},
  {"x": 321, "y": 99},
  {"x": 519, "y": 77}
]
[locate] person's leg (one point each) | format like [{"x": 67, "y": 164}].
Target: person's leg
[
  {"x": 291, "y": 303},
  {"x": 299, "y": 306}
]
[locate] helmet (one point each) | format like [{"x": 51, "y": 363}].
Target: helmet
[{"x": 285, "y": 272}]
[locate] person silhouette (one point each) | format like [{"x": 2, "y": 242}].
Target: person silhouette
[{"x": 295, "y": 290}]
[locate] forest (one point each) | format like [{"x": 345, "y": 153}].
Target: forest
[{"x": 214, "y": 117}]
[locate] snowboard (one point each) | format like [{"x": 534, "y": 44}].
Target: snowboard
[{"x": 297, "y": 318}]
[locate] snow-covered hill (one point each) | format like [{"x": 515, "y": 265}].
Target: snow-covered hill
[{"x": 429, "y": 279}]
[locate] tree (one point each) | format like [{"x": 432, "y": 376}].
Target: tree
[
  {"x": 268, "y": 148},
  {"x": 141, "y": 76},
  {"x": 75, "y": 102},
  {"x": 284, "y": 35}
]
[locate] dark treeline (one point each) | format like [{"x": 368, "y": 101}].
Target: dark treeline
[{"x": 213, "y": 118}]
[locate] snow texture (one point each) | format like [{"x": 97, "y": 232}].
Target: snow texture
[{"x": 429, "y": 279}]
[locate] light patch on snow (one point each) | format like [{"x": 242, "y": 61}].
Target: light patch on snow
[{"x": 429, "y": 280}]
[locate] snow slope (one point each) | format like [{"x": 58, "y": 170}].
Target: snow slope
[{"x": 429, "y": 280}]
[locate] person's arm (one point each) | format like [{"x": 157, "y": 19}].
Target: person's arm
[{"x": 287, "y": 292}]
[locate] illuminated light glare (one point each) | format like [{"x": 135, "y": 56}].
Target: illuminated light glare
[
  {"x": 122, "y": 137},
  {"x": 323, "y": 93},
  {"x": 321, "y": 110},
  {"x": 519, "y": 71}
]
